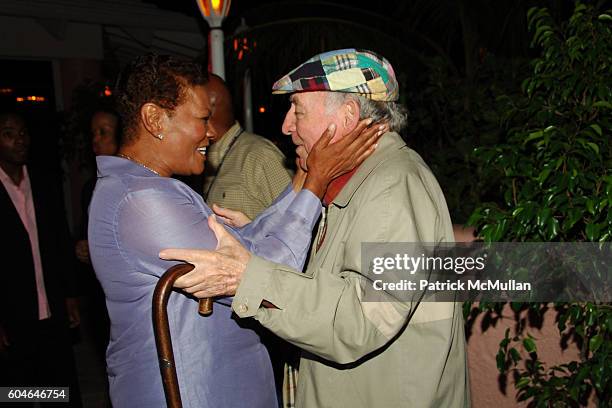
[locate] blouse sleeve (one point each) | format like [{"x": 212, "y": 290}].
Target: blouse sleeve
[
  {"x": 282, "y": 233},
  {"x": 150, "y": 220}
]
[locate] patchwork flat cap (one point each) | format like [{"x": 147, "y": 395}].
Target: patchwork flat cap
[{"x": 349, "y": 70}]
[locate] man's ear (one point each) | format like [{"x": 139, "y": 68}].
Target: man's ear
[
  {"x": 351, "y": 114},
  {"x": 152, "y": 117}
]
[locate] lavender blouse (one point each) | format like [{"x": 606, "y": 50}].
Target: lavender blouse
[{"x": 220, "y": 361}]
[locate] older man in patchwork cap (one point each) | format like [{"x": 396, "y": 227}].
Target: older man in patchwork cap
[{"x": 355, "y": 353}]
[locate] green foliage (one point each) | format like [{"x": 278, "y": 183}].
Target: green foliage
[
  {"x": 450, "y": 115},
  {"x": 554, "y": 175},
  {"x": 555, "y": 170}
]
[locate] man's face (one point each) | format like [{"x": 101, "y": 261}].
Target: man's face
[
  {"x": 14, "y": 141},
  {"x": 306, "y": 121},
  {"x": 222, "y": 115},
  {"x": 215, "y": 130}
]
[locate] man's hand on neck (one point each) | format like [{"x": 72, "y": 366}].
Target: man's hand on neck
[{"x": 327, "y": 161}]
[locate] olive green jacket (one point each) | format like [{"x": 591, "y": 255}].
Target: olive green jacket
[{"x": 366, "y": 354}]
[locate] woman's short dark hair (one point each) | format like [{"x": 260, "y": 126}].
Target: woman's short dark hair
[{"x": 159, "y": 79}]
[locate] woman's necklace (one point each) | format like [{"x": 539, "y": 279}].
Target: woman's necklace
[{"x": 125, "y": 156}]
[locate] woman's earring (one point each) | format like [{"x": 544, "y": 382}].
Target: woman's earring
[{"x": 160, "y": 136}]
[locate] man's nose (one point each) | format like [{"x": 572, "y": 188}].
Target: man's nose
[
  {"x": 288, "y": 124},
  {"x": 210, "y": 132},
  {"x": 22, "y": 138}
]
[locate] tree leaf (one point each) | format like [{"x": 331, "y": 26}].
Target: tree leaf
[
  {"x": 590, "y": 205},
  {"x": 543, "y": 217},
  {"x": 544, "y": 175},
  {"x": 501, "y": 361},
  {"x": 594, "y": 146},
  {"x": 534, "y": 135},
  {"x": 516, "y": 356},
  {"x": 529, "y": 344},
  {"x": 595, "y": 342},
  {"x": 596, "y": 128},
  {"x": 552, "y": 229},
  {"x": 604, "y": 17},
  {"x": 602, "y": 104},
  {"x": 523, "y": 382},
  {"x": 592, "y": 231}
]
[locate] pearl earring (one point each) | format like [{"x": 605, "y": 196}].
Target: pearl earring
[{"x": 160, "y": 136}]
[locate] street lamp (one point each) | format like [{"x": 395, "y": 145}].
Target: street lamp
[{"x": 214, "y": 11}]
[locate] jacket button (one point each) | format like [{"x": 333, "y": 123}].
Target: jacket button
[{"x": 242, "y": 308}]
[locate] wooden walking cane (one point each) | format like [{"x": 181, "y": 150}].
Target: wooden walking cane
[{"x": 162, "y": 330}]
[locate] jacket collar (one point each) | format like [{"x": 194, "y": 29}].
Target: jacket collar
[{"x": 388, "y": 143}]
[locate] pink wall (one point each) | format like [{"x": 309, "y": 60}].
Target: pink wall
[{"x": 482, "y": 349}]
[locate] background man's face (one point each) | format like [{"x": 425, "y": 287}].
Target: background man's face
[
  {"x": 216, "y": 118},
  {"x": 14, "y": 140},
  {"x": 222, "y": 115},
  {"x": 306, "y": 121}
]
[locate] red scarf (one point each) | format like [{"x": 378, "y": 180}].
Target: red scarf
[
  {"x": 336, "y": 186},
  {"x": 332, "y": 192}
]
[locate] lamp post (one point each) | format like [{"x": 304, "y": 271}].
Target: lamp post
[
  {"x": 214, "y": 11},
  {"x": 241, "y": 46}
]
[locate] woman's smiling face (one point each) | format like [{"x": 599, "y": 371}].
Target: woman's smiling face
[{"x": 184, "y": 132}]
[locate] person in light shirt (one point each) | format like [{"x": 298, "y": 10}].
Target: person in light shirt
[{"x": 37, "y": 284}]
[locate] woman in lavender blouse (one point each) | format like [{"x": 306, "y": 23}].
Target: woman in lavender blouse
[{"x": 137, "y": 210}]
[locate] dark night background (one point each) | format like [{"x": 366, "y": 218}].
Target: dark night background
[{"x": 470, "y": 44}]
